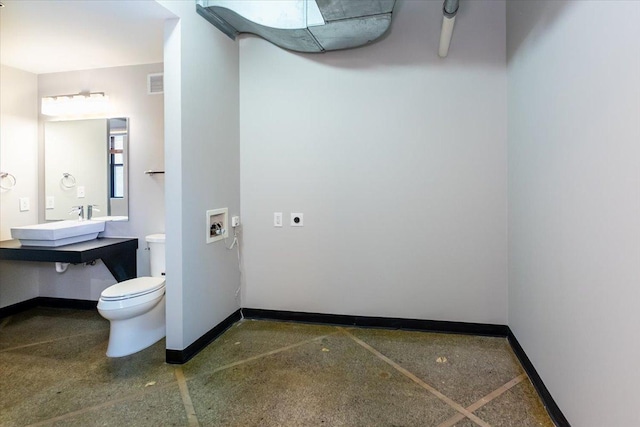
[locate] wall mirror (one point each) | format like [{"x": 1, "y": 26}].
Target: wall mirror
[{"x": 85, "y": 163}]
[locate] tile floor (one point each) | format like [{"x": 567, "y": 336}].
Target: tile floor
[{"x": 53, "y": 372}]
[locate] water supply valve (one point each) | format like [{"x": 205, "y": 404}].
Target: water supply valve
[{"x": 217, "y": 225}]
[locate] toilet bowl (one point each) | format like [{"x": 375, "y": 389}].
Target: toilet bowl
[{"x": 136, "y": 308}]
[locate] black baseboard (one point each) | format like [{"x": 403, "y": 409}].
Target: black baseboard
[
  {"x": 77, "y": 304},
  {"x": 178, "y": 357},
  {"x": 466, "y": 328},
  {"x": 12, "y": 309},
  {"x": 552, "y": 407}
]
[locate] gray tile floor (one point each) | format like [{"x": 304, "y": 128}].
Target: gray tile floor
[{"x": 259, "y": 373}]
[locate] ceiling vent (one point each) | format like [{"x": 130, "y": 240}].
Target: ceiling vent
[
  {"x": 155, "y": 83},
  {"x": 302, "y": 25}
]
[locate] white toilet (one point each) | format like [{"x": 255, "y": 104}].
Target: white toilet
[{"x": 136, "y": 308}]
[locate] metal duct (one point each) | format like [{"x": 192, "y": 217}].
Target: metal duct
[
  {"x": 302, "y": 25},
  {"x": 449, "y": 11}
]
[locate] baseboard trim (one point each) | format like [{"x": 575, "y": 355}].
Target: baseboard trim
[
  {"x": 550, "y": 404},
  {"x": 19, "y": 307},
  {"x": 77, "y": 304},
  {"x": 466, "y": 328},
  {"x": 178, "y": 357}
]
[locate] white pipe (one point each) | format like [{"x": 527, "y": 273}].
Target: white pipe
[{"x": 445, "y": 35}]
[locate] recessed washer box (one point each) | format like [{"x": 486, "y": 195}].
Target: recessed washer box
[{"x": 217, "y": 224}]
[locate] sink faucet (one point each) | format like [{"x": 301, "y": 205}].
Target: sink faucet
[
  {"x": 79, "y": 210},
  {"x": 91, "y": 209}
]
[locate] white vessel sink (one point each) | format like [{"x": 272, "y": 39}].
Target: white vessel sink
[
  {"x": 110, "y": 218},
  {"x": 59, "y": 233}
]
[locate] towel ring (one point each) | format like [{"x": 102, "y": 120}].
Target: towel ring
[
  {"x": 68, "y": 180},
  {"x": 7, "y": 176}
]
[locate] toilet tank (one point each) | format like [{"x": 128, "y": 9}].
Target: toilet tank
[{"x": 156, "y": 254}]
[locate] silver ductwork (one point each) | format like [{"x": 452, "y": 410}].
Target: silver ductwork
[
  {"x": 302, "y": 25},
  {"x": 449, "y": 11}
]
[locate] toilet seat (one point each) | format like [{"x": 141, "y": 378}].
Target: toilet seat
[{"x": 133, "y": 288}]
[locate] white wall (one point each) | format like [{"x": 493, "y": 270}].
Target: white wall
[
  {"x": 202, "y": 152},
  {"x": 574, "y": 202},
  {"x": 397, "y": 159},
  {"x": 18, "y": 147},
  {"x": 19, "y": 157},
  {"x": 19, "y": 282}
]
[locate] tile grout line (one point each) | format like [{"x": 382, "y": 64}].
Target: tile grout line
[
  {"x": 192, "y": 418},
  {"x": 50, "y": 341},
  {"x": 97, "y": 407},
  {"x": 417, "y": 380},
  {"x": 260, "y": 356},
  {"x": 143, "y": 392},
  {"x": 484, "y": 400}
]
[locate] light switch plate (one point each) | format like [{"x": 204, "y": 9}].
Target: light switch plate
[
  {"x": 51, "y": 202},
  {"x": 277, "y": 219},
  {"x": 80, "y": 192},
  {"x": 24, "y": 204}
]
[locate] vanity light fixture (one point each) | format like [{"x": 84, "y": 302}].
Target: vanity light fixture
[{"x": 73, "y": 105}]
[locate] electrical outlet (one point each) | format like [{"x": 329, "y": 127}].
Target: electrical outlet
[
  {"x": 297, "y": 220},
  {"x": 24, "y": 204},
  {"x": 235, "y": 221},
  {"x": 277, "y": 219},
  {"x": 50, "y": 203},
  {"x": 81, "y": 192}
]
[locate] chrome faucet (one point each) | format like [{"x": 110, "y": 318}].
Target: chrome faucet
[
  {"x": 79, "y": 210},
  {"x": 91, "y": 209}
]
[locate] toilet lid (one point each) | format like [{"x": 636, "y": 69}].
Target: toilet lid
[
  {"x": 132, "y": 288},
  {"x": 155, "y": 238}
]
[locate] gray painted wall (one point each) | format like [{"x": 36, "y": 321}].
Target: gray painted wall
[
  {"x": 18, "y": 147},
  {"x": 397, "y": 159},
  {"x": 202, "y": 152},
  {"x": 574, "y": 201},
  {"x": 19, "y": 157}
]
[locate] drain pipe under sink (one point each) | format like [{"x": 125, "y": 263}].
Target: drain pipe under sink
[{"x": 61, "y": 267}]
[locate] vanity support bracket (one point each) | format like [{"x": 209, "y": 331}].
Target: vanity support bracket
[
  {"x": 122, "y": 265},
  {"x": 118, "y": 254}
]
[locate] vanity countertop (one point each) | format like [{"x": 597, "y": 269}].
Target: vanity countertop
[{"x": 117, "y": 253}]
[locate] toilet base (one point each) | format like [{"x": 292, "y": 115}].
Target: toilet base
[{"x": 129, "y": 336}]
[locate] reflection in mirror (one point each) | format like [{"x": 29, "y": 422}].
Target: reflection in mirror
[
  {"x": 118, "y": 170},
  {"x": 86, "y": 164}
]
